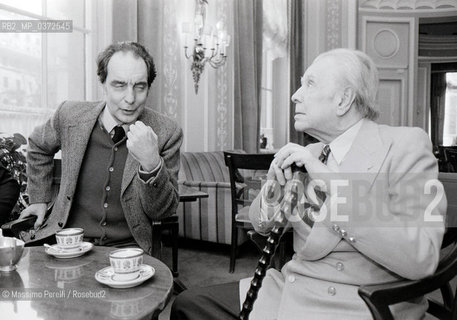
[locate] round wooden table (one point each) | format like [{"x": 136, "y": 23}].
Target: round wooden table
[{"x": 44, "y": 287}]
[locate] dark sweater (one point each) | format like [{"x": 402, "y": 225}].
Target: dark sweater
[
  {"x": 97, "y": 203},
  {"x": 9, "y": 193}
]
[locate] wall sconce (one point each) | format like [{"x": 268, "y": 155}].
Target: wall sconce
[{"x": 209, "y": 44}]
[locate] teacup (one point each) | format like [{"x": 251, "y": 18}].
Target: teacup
[
  {"x": 10, "y": 253},
  {"x": 69, "y": 238},
  {"x": 126, "y": 263}
]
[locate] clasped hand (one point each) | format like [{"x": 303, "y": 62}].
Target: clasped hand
[
  {"x": 292, "y": 153},
  {"x": 142, "y": 145}
]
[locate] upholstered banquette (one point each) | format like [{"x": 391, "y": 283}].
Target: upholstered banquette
[{"x": 207, "y": 219}]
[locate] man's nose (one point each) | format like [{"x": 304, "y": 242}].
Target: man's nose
[
  {"x": 129, "y": 95},
  {"x": 297, "y": 96}
]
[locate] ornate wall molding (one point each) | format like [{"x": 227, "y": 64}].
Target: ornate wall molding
[
  {"x": 386, "y": 43},
  {"x": 333, "y": 24},
  {"x": 222, "y": 114},
  {"x": 416, "y": 5},
  {"x": 171, "y": 52}
]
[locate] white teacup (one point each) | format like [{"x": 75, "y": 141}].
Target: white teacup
[
  {"x": 126, "y": 263},
  {"x": 69, "y": 238}
]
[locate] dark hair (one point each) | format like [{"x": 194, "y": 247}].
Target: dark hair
[{"x": 128, "y": 46}]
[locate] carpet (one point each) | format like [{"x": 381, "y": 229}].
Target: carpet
[{"x": 204, "y": 264}]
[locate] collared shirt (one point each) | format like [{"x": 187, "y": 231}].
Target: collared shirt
[
  {"x": 340, "y": 146},
  {"x": 108, "y": 121}
]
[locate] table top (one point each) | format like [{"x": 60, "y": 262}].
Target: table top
[
  {"x": 187, "y": 193},
  {"x": 50, "y": 288}
]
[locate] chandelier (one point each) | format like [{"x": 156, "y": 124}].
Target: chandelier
[{"x": 204, "y": 44}]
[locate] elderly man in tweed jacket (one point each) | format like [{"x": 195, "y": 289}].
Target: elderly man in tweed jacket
[{"x": 120, "y": 159}]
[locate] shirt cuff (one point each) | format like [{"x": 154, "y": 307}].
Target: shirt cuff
[{"x": 148, "y": 175}]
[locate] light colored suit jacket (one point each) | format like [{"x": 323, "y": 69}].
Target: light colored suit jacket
[
  {"x": 390, "y": 234},
  {"x": 69, "y": 130}
]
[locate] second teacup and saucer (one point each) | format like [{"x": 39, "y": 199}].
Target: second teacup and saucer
[
  {"x": 126, "y": 270},
  {"x": 69, "y": 244}
]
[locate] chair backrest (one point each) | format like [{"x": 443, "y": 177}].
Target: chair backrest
[
  {"x": 449, "y": 181},
  {"x": 451, "y": 156},
  {"x": 246, "y": 171},
  {"x": 447, "y": 156}
]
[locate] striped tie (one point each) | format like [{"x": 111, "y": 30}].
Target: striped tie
[
  {"x": 324, "y": 154},
  {"x": 320, "y": 194}
]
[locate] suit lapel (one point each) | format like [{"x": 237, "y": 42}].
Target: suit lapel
[
  {"x": 131, "y": 165},
  {"x": 79, "y": 134},
  {"x": 130, "y": 170},
  {"x": 365, "y": 158},
  {"x": 367, "y": 153}
]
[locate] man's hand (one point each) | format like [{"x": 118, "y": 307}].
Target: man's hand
[
  {"x": 35, "y": 209},
  {"x": 280, "y": 168},
  {"x": 142, "y": 145},
  {"x": 291, "y": 153}
]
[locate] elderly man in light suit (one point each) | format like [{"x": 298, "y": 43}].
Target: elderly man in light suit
[
  {"x": 120, "y": 159},
  {"x": 381, "y": 219}
]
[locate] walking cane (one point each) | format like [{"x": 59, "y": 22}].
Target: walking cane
[{"x": 289, "y": 203}]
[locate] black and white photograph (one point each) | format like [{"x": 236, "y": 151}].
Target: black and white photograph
[{"x": 228, "y": 159}]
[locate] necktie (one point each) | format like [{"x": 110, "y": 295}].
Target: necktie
[
  {"x": 324, "y": 154},
  {"x": 323, "y": 157},
  {"x": 119, "y": 134}
]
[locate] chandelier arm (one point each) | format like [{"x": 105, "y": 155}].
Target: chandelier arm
[
  {"x": 217, "y": 63},
  {"x": 186, "y": 54}
]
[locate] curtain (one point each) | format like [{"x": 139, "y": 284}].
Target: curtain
[
  {"x": 248, "y": 68},
  {"x": 438, "y": 92},
  {"x": 150, "y": 27},
  {"x": 297, "y": 66}
]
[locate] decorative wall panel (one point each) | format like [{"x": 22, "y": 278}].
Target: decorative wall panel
[
  {"x": 391, "y": 98},
  {"x": 391, "y": 43},
  {"x": 333, "y": 24},
  {"x": 222, "y": 92},
  {"x": 388, "y": 43},
  {"x": 171, "y": 52}
]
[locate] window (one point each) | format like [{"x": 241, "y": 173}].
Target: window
[
  {"x": 274, "y": 94},
  {"x": 40, "y": 70},
  {"x": 450, "y": 110}
]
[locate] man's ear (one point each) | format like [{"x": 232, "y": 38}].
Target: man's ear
[{"x": 346, "y": 99}]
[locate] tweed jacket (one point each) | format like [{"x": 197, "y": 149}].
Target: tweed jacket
[
  {"x": 386, "y": 237},
  {"x": 69, "y": 130}
]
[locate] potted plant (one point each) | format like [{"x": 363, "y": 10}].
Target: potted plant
[{"x": 13, "y": 159}]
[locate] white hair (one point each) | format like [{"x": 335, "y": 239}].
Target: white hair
[{"x": 361, "y": 74}]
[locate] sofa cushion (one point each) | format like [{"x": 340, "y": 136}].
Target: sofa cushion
[
  {"x": 207, "y": 219},
  {"x": 203, "y": 166}
]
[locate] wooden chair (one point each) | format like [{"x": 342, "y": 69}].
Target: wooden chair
[
  {"x": 245, "y": 184},
  {"x": 158, "y": 227},
  {"x": 447, "y": 158},
  {"x": 451, "y": 158},
  {"x": 379, "y": 297}
]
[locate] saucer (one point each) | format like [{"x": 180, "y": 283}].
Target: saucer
[
  {"x": 106, "y": 276},
  {"x": 62, "y": 253}
]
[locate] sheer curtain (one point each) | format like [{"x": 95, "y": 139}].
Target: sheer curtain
[{"x": 248, "y": 68}]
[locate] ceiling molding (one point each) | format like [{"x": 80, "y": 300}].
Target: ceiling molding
[{"x": 409, "y": 5}]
